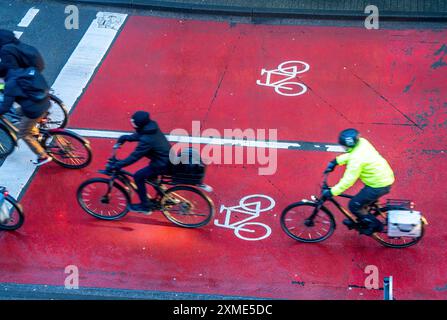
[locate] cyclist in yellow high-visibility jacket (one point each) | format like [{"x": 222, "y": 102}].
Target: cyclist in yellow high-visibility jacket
[{"x": 362, "y": 161}]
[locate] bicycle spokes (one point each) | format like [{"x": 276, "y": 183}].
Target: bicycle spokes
[
  {"x": 67, "y": 150},
  {"x": 306, "y": 224},
  {"x": 102, "y": 200},
  {"x": 186, "y": 207}
]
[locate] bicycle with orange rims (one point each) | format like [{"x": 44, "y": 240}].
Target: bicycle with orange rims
[{"x": 311, "y": 221}]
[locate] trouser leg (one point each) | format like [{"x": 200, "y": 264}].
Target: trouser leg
[
  {"x": 28, "y": 131},
  {"x": 366, "y": 197},
  {"x": 140, "y": 180}
]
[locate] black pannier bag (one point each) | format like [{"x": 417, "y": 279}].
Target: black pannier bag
[{"x": 190, "y": 169}]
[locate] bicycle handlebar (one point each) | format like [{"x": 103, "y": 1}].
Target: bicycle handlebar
[{"x": 325, "y": 177}]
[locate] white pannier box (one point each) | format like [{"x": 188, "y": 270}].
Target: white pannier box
[{"x": 404, "y": 223}]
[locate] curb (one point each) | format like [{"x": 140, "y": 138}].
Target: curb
[
  {"x": 15, "y": 291},
  {"x": 265, "y": 12}
]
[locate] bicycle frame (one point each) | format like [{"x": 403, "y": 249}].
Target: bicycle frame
[
  {"x": 126, "y": 178},
  {"x": 10, "y": 129},
  {"x": 320, "y": 203}
]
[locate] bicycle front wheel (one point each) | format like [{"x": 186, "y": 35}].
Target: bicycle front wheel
[
  {"x": 296, "y": 224},
  {"x": 187, "y": 207},
  {"x": 95, "y": 198},
  {"x": 57, "y": 116},
  {"x": 394, "y": 242},
  {"x": 68, "y": 150},
  {"x": 12, "y": 214}
]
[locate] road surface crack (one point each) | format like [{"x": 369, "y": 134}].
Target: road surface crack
[{"x": 388, "y": 102}]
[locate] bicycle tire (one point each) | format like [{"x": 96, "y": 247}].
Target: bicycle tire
[
  {"x": 170, "y": 217},
  {"x": 85, "y": 207},
  {"x": 7, "y": 143},
  {"x": 376, "y": 236},
  {"x": 21, "y": 216},
  {"x": 60, "y": 104},
  {"x": 288, "y": 209},
  {"x": 59, "y": 161}
]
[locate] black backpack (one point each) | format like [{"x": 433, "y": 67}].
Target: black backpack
[
  {"x": 191, "y": 169},
  {"x": 33, "y": 84}
]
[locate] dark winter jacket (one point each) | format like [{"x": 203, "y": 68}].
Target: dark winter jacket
[
  {"x": 14, "y": 93},
  {"x": 15, "y": 54},
  {"x": 152, "y": 144}
]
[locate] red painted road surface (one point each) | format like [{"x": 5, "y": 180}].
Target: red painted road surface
[{"x": 389, "y": 84}]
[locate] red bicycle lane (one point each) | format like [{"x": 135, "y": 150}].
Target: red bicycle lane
[
  {"x": 190, "y": 70},
  {"x": 150, "y": 253}
]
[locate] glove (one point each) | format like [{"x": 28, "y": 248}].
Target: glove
[
  {"x": 327, "y": 194},
  {"x": 123, "y": 139},
  {"x": 331, "y": 166}
]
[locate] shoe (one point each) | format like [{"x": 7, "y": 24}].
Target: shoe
[
  {"x": 141, "y": 208},
  {"x": 349, "y": 223},
  {"x": 372, "y": 225},
  {"x": 42, "y": 161}
]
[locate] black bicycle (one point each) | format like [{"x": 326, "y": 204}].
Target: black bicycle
[
  {"x": 311, "y": 221},
  {"x": 57, "y": 115},
  {"x": 109, "y": 198},
  {"x": 11, "y": 212},
  {"x": 67, "y": 148}
]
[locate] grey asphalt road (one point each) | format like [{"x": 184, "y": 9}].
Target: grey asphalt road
[
  {"x": 13, "y": 291},
  {"x": 47, "y": 31}
]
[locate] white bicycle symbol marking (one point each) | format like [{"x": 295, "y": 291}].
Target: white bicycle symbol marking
[
  {"x": 289, "y": 70},
  {"x": 251, "y": 206}
]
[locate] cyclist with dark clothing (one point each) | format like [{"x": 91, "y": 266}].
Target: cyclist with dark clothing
[
  {"x": 29, "y": 89},
  {"x": 362, "y": 161},
  {"x": 15, "y": 54},
  {"x": 152, "y": 144}
]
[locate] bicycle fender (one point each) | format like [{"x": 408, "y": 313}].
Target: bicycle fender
[{"x": 84, "y": 140}]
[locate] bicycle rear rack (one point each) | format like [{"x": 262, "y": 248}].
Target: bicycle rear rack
[{"x": 408, "y": 204}]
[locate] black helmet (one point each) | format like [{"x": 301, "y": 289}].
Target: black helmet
[
  {"x": 349, "y": 138},
  {"x": 141, "y": 118}
]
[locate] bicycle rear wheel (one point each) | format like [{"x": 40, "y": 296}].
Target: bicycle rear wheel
[
  {"x": 296, "y": 224},
  {"x": 187, "y": 207},
  {"x": 93, "y": 198},
  {"x": 57, "y": 117},
  {"x": 393, "y": 242},
  {"x": 16, "y": 217},
  {"x": 68, "y": 149}
]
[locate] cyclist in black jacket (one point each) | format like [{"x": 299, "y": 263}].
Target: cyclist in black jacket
[
  {"x": 152, "y": 144},
  {"x": 29, "y": 89}
]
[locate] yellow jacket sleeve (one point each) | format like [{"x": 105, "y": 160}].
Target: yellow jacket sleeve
[
  {"x": 352, "y": 173},
  {"x": 343, "y": 158}
]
